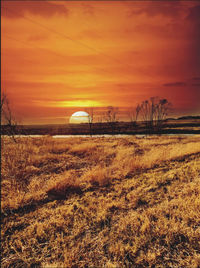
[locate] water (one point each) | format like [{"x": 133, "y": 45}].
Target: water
[
  {"x": 76, "y": 136},
  {"x": 100, "y": 136},
  {"x": 24, "y": 136},
  {"x": 96, "y": 136},
  {"x": 120, "y": 136}
]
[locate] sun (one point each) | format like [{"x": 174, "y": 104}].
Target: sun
[{"x": 79, "y": 117}]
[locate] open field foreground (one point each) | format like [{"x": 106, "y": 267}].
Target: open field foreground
[{"x": 101, "y": 202}]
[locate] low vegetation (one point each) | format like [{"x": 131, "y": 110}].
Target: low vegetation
[{"x": 101, "y": 202}]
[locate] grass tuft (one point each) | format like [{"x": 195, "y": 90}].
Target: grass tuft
[{"x": 61, "y": 186}]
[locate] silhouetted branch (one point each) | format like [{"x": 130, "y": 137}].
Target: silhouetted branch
[
  {"x": 7, "y": 118},
  {"x": 111, "y": 117}
]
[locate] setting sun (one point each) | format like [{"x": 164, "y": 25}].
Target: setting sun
[
  {"x": 70, "y": 54},
  {"x": 79, "y": 117}
]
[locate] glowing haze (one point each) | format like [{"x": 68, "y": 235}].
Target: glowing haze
[{"x": 62, "y": 57}]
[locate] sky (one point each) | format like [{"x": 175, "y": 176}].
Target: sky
[{"x": 59, "y": 57}]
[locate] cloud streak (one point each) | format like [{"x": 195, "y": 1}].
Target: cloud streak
[
  {"x": 197, "y": 78},
  {"x": 14, "y": 10},
  {"x": 153, "y": 8},
  {"x": 175, "y": 84}
]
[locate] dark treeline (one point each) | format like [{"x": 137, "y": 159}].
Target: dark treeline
[{"x": 169, "y": 127}]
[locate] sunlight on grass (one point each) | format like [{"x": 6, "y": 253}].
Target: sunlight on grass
[{"x": 103, "y": 202}]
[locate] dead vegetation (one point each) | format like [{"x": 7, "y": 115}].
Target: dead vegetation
[{"x": 101, "y": 202}]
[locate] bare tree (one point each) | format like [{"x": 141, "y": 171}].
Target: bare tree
[
  {"x": 7, "y": 118},
  {"x": 154, "y": 111},
  {"x": 147, "y": 112},
  {"x": 90, "y": 111},
  {"x": 111, "y": 117},
  {"x": 100, "y": 119},
  {"x": 162, "y": 109},
  {"x": 133, "y": 114}
]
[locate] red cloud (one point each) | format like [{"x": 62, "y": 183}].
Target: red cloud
[{"x": 13, "y": 10}]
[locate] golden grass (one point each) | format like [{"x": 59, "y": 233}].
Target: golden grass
[{"x": 101, "y": 202}]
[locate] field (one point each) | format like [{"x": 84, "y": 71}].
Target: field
[{"x": 101, "y": 202}]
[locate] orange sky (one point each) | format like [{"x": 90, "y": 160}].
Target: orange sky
[{"x": 60, "y": 56}]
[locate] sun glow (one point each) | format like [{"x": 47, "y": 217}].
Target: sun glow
[
  {"x": 79, "y": 117},
  {"x": 73, "y": 103}
]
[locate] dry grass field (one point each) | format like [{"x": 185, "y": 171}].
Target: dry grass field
[{"x": 101, "y": 202}]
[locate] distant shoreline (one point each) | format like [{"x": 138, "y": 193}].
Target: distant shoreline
[{"x": 170, "y": 126}]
